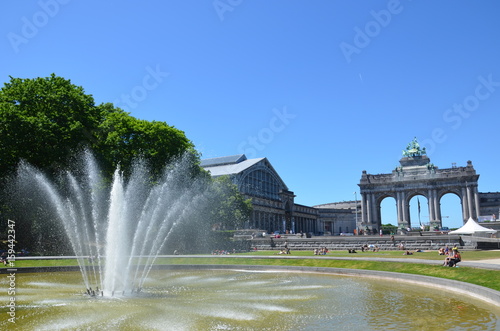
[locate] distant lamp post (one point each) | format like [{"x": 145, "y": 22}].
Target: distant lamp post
[{"x": 356, "y": 211}]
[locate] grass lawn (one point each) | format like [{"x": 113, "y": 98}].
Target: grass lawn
[
  {"x": 427, "y": 255},
  {"x": 483, "y": 277}
]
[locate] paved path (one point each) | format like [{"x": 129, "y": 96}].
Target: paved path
[{"x": 492, "y": 261}]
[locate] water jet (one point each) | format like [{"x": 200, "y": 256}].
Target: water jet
[{"x": 118, "y": 231}]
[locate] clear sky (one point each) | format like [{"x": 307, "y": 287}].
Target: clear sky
[{"x": 324, "y": 89}]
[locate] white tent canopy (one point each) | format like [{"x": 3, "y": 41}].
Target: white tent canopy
[{"x": 471, "y": 227}]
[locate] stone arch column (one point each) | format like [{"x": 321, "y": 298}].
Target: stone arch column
[
  {"x": 399, "y": 207},
  {"x": 405, "y": 209},
  {"x": 436, "y": 208},
  {"x": 402, "y": 208},
  {"x": 406, "y": 212},
  {"x": 432, "y": 214},
  {"x": 374, "y": 211},
  {"x": 363, "y": 210},
  {"x": 476, "y": 199},
  {"x": 463, "y": 199},
  {"x": 367, "y": 209},
  {"x": 470, "y": 205}
]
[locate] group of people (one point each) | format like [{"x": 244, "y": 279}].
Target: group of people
[
  {"x": 285, "y": 249},
  {"x": 320, "y": 251},
  {"x": 218, "y": 252},
  {"x": 366, "y": 248},
  {"x": 444, "y": 250},
  {"x": 452, "y": 256}
]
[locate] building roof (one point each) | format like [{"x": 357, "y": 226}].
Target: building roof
[
  {"x": 338, "y": 205},
  {"x": 236, "y": 164},
  {"x": 223, "y": 160},
  {"x": 221, "y": 169}
]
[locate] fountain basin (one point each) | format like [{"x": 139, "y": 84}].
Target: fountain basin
[{"x": 219, "y": 297}]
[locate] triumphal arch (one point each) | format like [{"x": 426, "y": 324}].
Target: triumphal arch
[{"x": 416, "y": 175}]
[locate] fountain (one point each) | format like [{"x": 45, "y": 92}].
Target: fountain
[{"x": 118, "y": 232}]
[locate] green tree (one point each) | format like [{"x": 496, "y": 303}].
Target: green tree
[
  {"x": 123, "y": 138},
  {"x": 48, "y": 121},
  {"x": 44, "y": 121},
  {"x": 231, "y": 208}
]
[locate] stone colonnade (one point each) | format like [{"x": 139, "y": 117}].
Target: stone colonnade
[
  {"x": 371, "y": 211},
  {"x": 276, "y": 220}
]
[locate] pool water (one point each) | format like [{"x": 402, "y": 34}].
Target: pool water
[{"x": 243, "y": 300}]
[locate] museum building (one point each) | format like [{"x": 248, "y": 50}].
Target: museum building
[{"x": 274, "y": 208}]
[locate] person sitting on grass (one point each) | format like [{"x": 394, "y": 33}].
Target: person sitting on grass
[
  {"x": 449, "y": 256},
  {"x": 455, "y": 259}
]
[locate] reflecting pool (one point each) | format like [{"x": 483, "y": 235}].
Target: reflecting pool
[{"x": 243, "y": 300}]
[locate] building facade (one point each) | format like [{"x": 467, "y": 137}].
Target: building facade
[{"x": 274, "y": 207}]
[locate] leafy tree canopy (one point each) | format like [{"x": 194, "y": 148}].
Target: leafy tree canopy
[
  {"x": 47, "y": 120},
  {"x": 122, "y": 138},
  {"x": 44, "y": 120},
  {"x": 232, "y": 209}
]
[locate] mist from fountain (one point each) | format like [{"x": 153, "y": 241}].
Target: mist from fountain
[{"x": 118, "y": 230}]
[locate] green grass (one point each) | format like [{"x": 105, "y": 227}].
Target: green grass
[
  {"x": 45, "y": 263},
  {"x": 427, "y": 255},
  {"x": 483, "y": 277}
]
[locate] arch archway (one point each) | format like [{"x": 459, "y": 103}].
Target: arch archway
[
  {"x": 388, "y": 211},
  {"x": 419, "y": 211},
  {"x": 451, "y": 210},
  {"x": 417, "y": 176}
]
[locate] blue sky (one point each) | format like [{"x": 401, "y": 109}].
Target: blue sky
[{"x": 323, "y": 89}]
